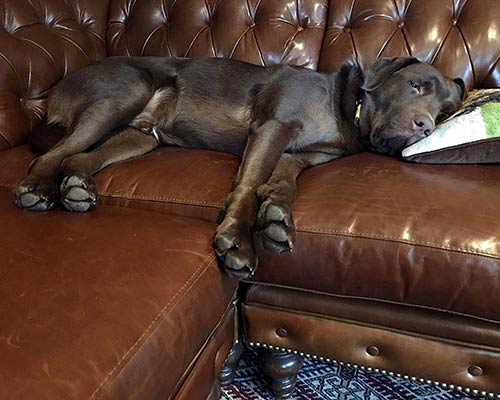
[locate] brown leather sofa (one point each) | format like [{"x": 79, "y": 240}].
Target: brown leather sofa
[{"x": 396, "y": 266}]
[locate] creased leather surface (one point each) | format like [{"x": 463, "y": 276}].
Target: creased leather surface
[
  {"x": 40, "y": 42},
  {"x": 104, "y": 305}
]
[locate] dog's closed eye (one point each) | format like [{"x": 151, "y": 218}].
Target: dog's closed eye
[
  {"x": 443, "y": 115},
  {"x": 417, "y": 87}
]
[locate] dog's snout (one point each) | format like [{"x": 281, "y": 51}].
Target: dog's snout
[{"x": 423, "y": 124}]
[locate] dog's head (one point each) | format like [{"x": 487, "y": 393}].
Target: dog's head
[{"x": 403, "y": 101}]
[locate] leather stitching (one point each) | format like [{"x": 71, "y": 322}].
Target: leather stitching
[
  {"x": 161, "y": 198},
  {"x": 255, "y": 287},
  {"x": 306, "y": 230},
  {"x": 149, "y": 330},
  {"x": 360, "y": 235}
]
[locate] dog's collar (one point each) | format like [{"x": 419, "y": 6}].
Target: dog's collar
[
  {"x": 357, "y": 116},
  {"x": 155, "y": 134}
]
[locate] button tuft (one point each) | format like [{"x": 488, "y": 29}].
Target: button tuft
[
  {"x": 282, "y": 332},
  {"x": 373, "y": 351},
  {"x": 475, "y": 370}
]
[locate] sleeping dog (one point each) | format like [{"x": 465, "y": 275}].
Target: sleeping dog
[{"x": 279, "y": 119}]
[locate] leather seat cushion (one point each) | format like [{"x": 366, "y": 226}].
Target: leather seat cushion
[
  {"x": 367, "y": 226},
  {"x": 191, "y": 183},
  {"x": 111, "y": 304},
  {"x": 376, "y": 228}
]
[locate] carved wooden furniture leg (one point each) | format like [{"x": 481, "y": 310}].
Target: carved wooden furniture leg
[
  {"x": 229, "y": 368},
  {"x": 281, "y": 368}
]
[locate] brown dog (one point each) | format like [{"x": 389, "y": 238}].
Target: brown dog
[{"x": 280, "y": 119}]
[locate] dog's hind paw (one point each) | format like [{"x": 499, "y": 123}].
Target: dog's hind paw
[
  {"x": 235, "y": 251},
  {"x": 78, "y": 193},
  {"x": 36, "y": 194},
  {"x": 275, "y": 227}
]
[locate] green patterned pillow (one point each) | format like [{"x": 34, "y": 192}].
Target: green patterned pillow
[{"x": 470, "y": 136}]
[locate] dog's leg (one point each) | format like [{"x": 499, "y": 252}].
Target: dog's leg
[
  {"x": 77, "y": 190},
  {"x": 38, "y": 190},
  {"x": 275, "y": 226},
  {"x": 233, "y": 240}
]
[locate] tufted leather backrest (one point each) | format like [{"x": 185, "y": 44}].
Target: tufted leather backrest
[
  {"x": 258, "y": 31},
  {"x": 41, "y": 41},
  {"x": 459, "y": 37}
]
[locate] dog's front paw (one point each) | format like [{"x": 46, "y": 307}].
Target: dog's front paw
[
  {"x": 36, "y": 194},
  {"x": 78, "y": 193},
  {"x": 275, "y": 227},
  {"x": 234, "y": 249}
]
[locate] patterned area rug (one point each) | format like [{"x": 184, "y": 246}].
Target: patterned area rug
[{"x": 322, "y": 381}]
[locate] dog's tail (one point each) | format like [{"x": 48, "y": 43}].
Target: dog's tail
[{"x": 45, "y": 136}]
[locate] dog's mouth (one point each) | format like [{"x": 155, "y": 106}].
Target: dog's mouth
[{"x": 393, "y": 141}]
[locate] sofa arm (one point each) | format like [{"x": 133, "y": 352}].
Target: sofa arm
[{"x": 40, "y": 42}]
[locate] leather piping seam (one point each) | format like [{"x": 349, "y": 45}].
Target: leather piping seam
[
  {"x": 313, "y": 231},
  {"x": 159, "y": 199},
  {"x": 342, "y": 296},
  {"x": 212, "y": 335},
  {"x": 173, "y": 200},
  {"x": 195, "y": 276},
  {"x": 369, "y": 236},
  {"x": 348, "y": 321}
]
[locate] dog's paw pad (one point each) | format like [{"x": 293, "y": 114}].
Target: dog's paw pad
[
  {"x": 235, "y": 252},
  {"x": 36, "y": 196},
  {"x": 276, "y": 230},
  {"x": 278, "y": 214},
  {"x": 78, "y": 193}
]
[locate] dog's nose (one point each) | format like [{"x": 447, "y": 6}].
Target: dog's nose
[{"x": 423, "y": 124}]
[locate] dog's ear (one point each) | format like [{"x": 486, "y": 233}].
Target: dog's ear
[
  {"x": 461, "y": 85},
  {"x": 382, "y": 70}
]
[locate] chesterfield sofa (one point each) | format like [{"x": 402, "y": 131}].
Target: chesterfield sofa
[{"x": 396, "y": 266}]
